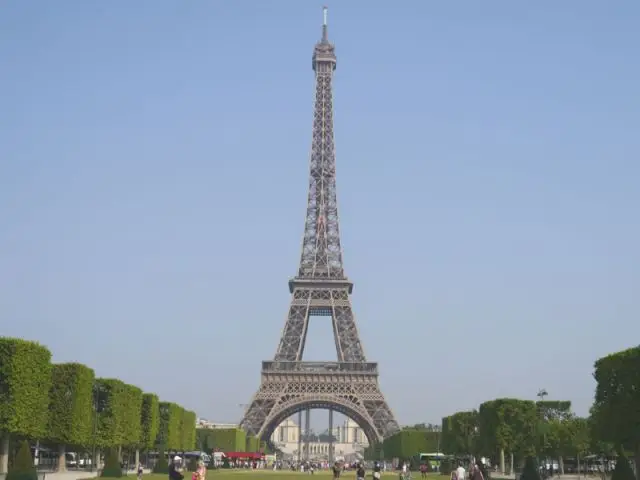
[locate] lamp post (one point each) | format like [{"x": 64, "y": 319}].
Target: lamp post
[
  {"x": 541, "y": 394},
  {"x": 96, "y": 405}
]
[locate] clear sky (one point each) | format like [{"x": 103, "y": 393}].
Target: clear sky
[{"x": 153, "y": 175}]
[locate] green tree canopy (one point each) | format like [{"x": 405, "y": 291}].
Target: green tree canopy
[
  {"x": 130, "y": 421},
  {"x": 71, "y": 404},
  {"x": 169, "y": 431},
  {"x": 110, "y": 399},
  {"x": 507, "y": 424},
  {"x": 149, "y": 420},
  {"x": 615, "y": 411},
  {"x": 25, "y": 382},
  {"x": 463, "y": 430}
]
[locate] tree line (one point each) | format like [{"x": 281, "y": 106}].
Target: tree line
[
  {"x": 525, "y": 428},
  {"x": 64, "y": 405}
]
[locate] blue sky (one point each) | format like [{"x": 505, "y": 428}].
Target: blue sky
[{"x": 153, "y": 174}]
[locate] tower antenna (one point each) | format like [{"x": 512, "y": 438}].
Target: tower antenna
[{"x": 325, "y": 36}]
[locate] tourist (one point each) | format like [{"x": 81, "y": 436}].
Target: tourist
[
  {"x": 360, "y": 473},
  {"x": 460, "y": 472},
  {"x": 174, "y": 469},
  {"x": 376, "y": 471},
  {"x": 337, "y": 469},
  {"x": 423, "y": 470},
  {"x": 201, "y": 471}
]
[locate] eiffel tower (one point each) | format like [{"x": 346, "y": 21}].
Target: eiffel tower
[{"x": 350, "y": 385}]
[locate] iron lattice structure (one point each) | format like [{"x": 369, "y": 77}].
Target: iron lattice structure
[{"x": 350, "y": 385}]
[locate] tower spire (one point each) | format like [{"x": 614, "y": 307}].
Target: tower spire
[{"x": 325, "y": 35}]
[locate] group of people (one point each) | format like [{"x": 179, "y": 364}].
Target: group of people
[
  {"x": 175, "y": 470},
  {"x": 475, "y": 472},
  {"x": 360, "y": 471}
]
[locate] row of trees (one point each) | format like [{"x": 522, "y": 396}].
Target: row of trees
[
  {"x": 228, "y": 440},
  {"x": 523, "y": 428},
  {"x": 408, "y": 442},
  {"x": 65, "y": 405}
]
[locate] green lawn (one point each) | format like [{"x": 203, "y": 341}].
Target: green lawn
[{"x": 223, "y": 474}]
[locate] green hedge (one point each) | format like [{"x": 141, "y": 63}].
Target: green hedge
[
  {"x": 25, "y": 383},
  {"x": 188, "y": 430},
  {"x": 170, "y": 425},
  {"x": 406, "y": 443},
  {"x": 110, "y": 399},
  {"x": 130, "y": 421},
  {"x": 149, "y": 420},
  {"x": 61, "y": 404},
  {"x": 225, "y": 439},
  {"x": 253, "y": 444},
  {"x": 71, "y": 404}
]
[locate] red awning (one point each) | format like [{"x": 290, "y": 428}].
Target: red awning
[{"x": 243, "y": 455}]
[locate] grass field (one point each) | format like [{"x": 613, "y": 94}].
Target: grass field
[{"x": 223, "y": 474}]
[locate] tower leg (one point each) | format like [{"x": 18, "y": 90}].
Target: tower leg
[
  {"x": 307, "y": 427},
  {"x": 331, "y": 436},
  {"x": 299, "y": 438}
]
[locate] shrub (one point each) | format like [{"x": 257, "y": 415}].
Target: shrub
[
  {"x": 112, "y": 468},
  {"x": 530, "y": 471},
  {"x": 22, "y": 467},
  {"x": 161, "y": 465},
  {"x": 623, "y": 469}
]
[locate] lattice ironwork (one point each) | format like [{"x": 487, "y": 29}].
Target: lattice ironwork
[{"x": 321, "y": 288}]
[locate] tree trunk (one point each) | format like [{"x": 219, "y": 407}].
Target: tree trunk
[
  {"x": 578, "y": 462},
  {"x": 637, "y": 462},
  {"x": 4, "y": 453},
  {"x": 511, "y": 469},
  {"x": 561, "y": 464},
  {"x": 137, "y": 459},
  {"x": 120, "y": 453},
  {"x": 62, "y": 459},
  {"x": 502, "y": 461}
]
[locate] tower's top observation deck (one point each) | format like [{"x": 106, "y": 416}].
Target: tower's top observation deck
[{"x": 324, "y": 52}]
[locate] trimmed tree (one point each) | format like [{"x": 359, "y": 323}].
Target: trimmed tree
[
  {"x": 462, "y": 432},
  {"x": 552, "y": 435},
  {"x": 131, "y": 426},
  {"x": 615, "y": 411},
  {"x": 622, "y": 471},
  {"x": 576, "y": 438},
  {"x": 149, "y": 421},
  {"x": 170, "y": 425},
  {"x": 507, "y": 425},
  {"x": 70, "y": 407},
  {"x": 110, "y": 399},
  {"x": 25, "y": 382},
  {"x": 188, "y": 430},
  {"x": 22, "y": 468},
  {"x": 530, "y": 471},
  {"x": 405, "y": 443}
]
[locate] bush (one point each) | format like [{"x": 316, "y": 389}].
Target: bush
[
  {"x": 112, "y": 468},
  {"x": 161, "y": 465},
  {"x": 623, "y": 469},
  {"x": 530, "y": 471},
  {"x": 22, "y": 467}
]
